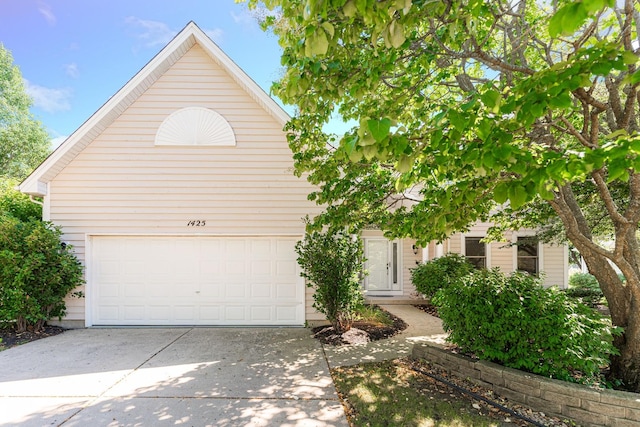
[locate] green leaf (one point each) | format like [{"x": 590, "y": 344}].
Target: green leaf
[
  {"x": 555, "y": 23},
  {"x": 491, "y": 99},
  {"x": 328, "y": 27},
  {"x": 617, "y": 170},
  {"x": 317, "y": 43},
  {"x": 349, "y": 9},
  {"x": 355, "y": 156},
  {"x": 517, "y": 195},
  {"x": 568, "y": 19},
  {"x": 379, "y": 128},
  {"x": 629, "y": 58},
  {"x": 634, "y": 78},
  {"x": 500, "y": 193},
  {"x": 562, "y": 100},
  {"x": 404, "y": 164},
  {"x": 396, "y": 34},
  {"x": 349, "y": 144}
]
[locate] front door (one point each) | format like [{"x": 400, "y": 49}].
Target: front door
[{"x": 383, "y": 267}]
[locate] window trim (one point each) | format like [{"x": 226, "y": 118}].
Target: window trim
[
  {"x": 487, "y": 247},
  {"x": 514, "y": 241}
]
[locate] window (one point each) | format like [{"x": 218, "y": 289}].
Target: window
[
  {"x": 527, "y": 249},
  {"x": 475, "y": 251}
]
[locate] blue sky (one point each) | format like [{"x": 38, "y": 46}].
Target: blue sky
[{"x": 75, "y": 54}]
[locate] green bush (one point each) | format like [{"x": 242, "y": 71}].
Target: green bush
[
  {"x": 36, "y": 273},
  {"x": 433, "y": 275},
  {"x": 585, "y": 288},
  {"x": 583, "y": 280},
  {"x": 14, "y": 203},
  {"x": 332, "y": 264},
  {"x": 514, "y": 321}
]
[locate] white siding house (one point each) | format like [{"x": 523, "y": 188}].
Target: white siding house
[{"x": 179, "y": 199}]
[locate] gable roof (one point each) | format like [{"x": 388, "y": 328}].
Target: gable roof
[{"x": 36, "y": 183}]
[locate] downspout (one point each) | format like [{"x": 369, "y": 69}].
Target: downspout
[{"x": 37, "y": 202}]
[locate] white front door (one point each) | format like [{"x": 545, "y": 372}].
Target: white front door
[{"x": 383, "y": 266}]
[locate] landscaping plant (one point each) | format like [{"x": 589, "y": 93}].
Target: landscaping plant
[
  {"x": 332, "y": 263},
  {"x": 514, "y": 321},
  {"x": 431, "y": 276},
  {"x": 585, "y": 288},
  {"x": 36, "y": 270}
]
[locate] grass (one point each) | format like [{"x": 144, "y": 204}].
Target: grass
[
  {"x": 390, "y": 393},
  {"x": 373, "y": 314}
]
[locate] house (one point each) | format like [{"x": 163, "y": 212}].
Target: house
[{"x": 179, "y": 199}]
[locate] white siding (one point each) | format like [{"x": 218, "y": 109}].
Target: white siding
[
  {"x": 554, "y": 260},
  {"x": 123, "y": 184},
  {"x": 554, "y": 265}
]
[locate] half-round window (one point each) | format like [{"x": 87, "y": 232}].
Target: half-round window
[{"x": 195, "y": 126}]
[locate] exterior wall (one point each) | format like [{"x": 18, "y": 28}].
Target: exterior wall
[
  {"x": 553, "y": 259},
  {"x": 123, "y": 184}
]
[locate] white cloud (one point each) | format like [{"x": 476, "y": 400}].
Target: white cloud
[
  {"x": 215, "y": 34},
  {"x": 152, "y": 34},
  {"x": 45, "y": 10},
  {"x": 48, "y": 99},
  {"x": 72, "y": 70}
]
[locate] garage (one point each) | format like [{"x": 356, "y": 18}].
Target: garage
[{"x": 193, "y": 280}]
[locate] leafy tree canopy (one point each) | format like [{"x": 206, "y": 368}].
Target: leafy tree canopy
[
  {"x": 468, "y": 106},
  {"x": 24, "y": 142}
]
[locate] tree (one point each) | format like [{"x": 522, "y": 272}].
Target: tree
[
  {"x": 24, "y": 142},
  {"x": 332, "y": 263},
  {"x": 465, "y": 106}
]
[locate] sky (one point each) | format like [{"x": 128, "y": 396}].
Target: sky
[{"x": 75, "y": 54}]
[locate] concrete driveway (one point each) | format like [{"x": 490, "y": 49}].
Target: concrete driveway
[{"x": 158, "y": 377}]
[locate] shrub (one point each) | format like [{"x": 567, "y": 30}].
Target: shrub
[
  {"x": 514, "y": 321},
  {"x": 332, "y": 264},
  {"x": 36, "y": 273},
  {"x": 429, "y": 277},
  {"x": 585, "y": 288},
  {"x": 583, "y": 280},
  {"x": 14, "y": 203}
]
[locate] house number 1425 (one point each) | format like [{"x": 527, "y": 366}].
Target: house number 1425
[{"x": 197, "y": 223}]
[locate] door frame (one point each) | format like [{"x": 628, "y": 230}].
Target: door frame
[{"x": 395, "y": 289}]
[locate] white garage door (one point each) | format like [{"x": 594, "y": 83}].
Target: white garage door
[{"x": 170, "y": 280}]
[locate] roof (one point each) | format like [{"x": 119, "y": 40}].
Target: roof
[{"x": 36, "y": 183}]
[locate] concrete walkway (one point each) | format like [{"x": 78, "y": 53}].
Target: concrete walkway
[{"x": 422, "y": 328}]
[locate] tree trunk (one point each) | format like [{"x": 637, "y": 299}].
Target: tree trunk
[{"x": 623, "y": 303}]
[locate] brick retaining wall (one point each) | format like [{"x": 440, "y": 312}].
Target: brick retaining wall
[{"x": 587, "y": 406}]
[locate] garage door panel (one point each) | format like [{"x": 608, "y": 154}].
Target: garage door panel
[{"x": 180, "y": 280}]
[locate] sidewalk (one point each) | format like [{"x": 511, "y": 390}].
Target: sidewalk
[{"x": 422, "y": 328}]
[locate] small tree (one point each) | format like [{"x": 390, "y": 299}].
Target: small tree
[{"x": 332, "y": 263}]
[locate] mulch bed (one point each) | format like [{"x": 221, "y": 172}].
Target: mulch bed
[
  {"x": 360, "y": 333},
  {"x": 9, "y": 338},
  {"x": 428, "y": 308}
]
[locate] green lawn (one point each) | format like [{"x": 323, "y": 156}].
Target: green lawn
[{"x": 391, "y": 394}]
